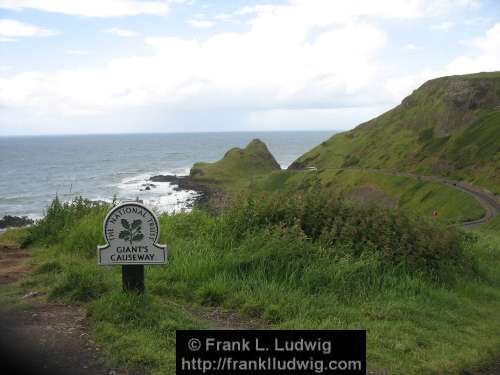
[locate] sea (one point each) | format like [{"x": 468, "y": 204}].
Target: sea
[{"x": 36, "y": 169}]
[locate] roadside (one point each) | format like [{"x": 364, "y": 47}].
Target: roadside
[{"x": 486, "y": 199}]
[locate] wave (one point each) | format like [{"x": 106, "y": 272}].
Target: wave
[{"x": 162, "y": 196}]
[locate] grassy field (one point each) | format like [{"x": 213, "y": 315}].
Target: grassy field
[{"x": 427, "y": 295}]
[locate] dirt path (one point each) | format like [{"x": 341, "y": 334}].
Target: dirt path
[
  {"x": 218, "y": 318},
  {"x": 12, "y": 263},
  {"x": 40, "y": 337}
]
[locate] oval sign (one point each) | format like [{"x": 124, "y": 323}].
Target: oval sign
[{"x": 131, "y": 231}]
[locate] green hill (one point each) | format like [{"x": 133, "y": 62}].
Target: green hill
[
  {"x": 237, "y": 166},
  {"x": 449, "y": 126}
]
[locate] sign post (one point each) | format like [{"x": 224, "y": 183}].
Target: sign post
[
  {"x": 132, "y": 232},
  {"x": 133, "y": 278}
]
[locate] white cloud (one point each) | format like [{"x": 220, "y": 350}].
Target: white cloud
[
  {"x": 400, "y": 87},
  {"x": 486, "y": 58},
  {"x": 313, "y": 55},
  {"x": 91, "y": 8},
  {"x": 122, "y": 32},
  {"x": 411, "y": 47},
  {"x": 200, "y": 23},
  {"x": 256, "y": 69},
  {"x": 223, "y": 16},
  {"x": 10, "y": 30},
  {"x": 443, "y": 26},
  {"x": 77, "y": 52}
]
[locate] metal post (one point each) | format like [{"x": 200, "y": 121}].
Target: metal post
[{"x": 133, "y": 278}]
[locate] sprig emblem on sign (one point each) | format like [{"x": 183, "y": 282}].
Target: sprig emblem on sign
[{"x": 132, "y": 232}]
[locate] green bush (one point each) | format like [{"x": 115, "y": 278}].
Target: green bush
[
  {"x": 60, "y": 220},
  {"x": 343, "y": 227}
]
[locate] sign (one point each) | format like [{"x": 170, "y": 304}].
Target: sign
[{"x": 131, "y": 231}]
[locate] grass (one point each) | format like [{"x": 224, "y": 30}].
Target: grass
[
  {"x": 494, "y": 225},
  {"x": 428, "y": 295},
  {"x": 410, "y": 194}
]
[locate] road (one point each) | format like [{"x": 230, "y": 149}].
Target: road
[{"x": 489, "y": 201}]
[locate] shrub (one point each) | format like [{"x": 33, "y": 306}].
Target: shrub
[
  {"x": 60, "y": 218},
  {"x": 341, "y": 227}
]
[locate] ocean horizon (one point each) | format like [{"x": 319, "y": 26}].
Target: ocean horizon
[{"x": 36, "y": 168}]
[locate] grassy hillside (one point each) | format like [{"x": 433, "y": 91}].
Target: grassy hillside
[
  {"x": 450, "y": 126},
  {"x": 428, "y": 296},
  {"x": 237, "y": 166},
  {"x": 409, "y": 194},
  {"x": 254, "y": 169}
]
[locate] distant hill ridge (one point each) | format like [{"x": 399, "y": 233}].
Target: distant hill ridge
[{"x": 450, "y": 126}]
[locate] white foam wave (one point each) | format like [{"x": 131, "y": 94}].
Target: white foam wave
[{"x": 162, "y": 196}]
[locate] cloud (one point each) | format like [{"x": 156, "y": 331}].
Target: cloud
[
  {"x": 91, "y": 8},
  {"x": 488, "y": 58},
  {"x": 304, "y": 56},
  {"x": 443, "y": 26},
  {"x": 200, "y": 23},
  {"x": 223, "y": 16},
  {"x": 122, "y": 32},
  {"x": 485, "y": 58},
  {"x": 77, "y": 52},
  {"x": 10, "y": 30},
  {"x": 256, "y": 69},
  {"x": 411, "y": 47}
]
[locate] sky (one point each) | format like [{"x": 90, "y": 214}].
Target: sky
[{"x": 127, "y": 66}]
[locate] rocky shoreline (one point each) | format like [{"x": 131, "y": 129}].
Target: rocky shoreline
[
  {"x": 180, "y": 183},
  {"x": 9, "y": 221}
]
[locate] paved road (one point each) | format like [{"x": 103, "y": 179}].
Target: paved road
[{"x": 489, "y": 201}]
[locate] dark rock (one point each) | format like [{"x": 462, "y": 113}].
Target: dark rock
[
  {"x": 180, "y": 183},
  {"x": 164, "y": 178},
  {"x": 15, "y": 221}
]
